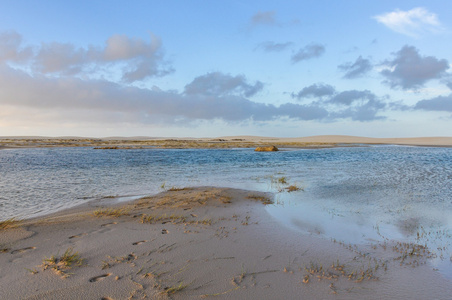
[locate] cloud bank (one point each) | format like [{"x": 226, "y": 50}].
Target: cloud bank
[
  {"x": 135, "y": 58},
  {"x": 352, "y": 104},
  {"x": 72, "y": 83}
]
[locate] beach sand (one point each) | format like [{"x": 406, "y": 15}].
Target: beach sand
[{"x": 202, "y": 242}]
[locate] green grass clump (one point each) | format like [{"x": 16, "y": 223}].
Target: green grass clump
[
  {"x": 174, "y": 289},
  {"x": 112, "y": 212},
  {"x": 9, "y": 223},
  {"x": 60, "y": 264}
]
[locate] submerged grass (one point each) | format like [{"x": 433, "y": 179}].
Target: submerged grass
[
  {"x": 265, "y": 200},
  {"x": 282, "y": 180},
  {"x": 293, "y": 188}
]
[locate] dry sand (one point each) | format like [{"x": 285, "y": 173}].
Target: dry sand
[{"x": 201, "y": 243}]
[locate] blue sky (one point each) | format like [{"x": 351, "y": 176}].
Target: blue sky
[{"x": 217, "y": 68}]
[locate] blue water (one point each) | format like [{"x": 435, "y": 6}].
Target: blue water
[{"x": 354, "y": 194}]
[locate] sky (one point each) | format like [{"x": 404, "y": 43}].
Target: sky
[{"x": 225, "y": 68}]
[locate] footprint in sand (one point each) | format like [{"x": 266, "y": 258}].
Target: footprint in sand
[
  {"x": 108, "y": 224},
  {"x": 164, "y": 231},
  {"x": 77, "y": 235},
  {"x": 22, "y": 250},
  {"x": 100, "y": 277},
  {"x": 139, "y": 242}
]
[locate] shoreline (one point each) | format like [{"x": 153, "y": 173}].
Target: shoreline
[
  {"x": 200, "y": 242},
  {"x": 312, "y": 142}
]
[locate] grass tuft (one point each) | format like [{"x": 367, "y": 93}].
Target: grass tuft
[
  {"x": 112, "y": 212},
  {"x": 174, "y": 289},
  {"x": 60, "y": 264}
]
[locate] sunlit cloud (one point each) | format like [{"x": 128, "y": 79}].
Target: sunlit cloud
[{"x": 415, "y": 22}]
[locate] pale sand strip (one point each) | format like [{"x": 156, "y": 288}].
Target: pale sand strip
[
  {"x": 227, "y": 247},
  {"x": 345, "y": 139},
  {"x": 222, "y": 142}
]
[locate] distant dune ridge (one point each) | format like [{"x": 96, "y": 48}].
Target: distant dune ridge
[{"x": 220, "y": 142}]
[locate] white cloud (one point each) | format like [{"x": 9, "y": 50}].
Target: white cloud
[{"x": 414, "y": 22}]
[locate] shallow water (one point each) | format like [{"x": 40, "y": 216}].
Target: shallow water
[{"x": 356, "y": 195}]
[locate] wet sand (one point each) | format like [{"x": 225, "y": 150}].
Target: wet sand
[{"x": 202, "y": 242}]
